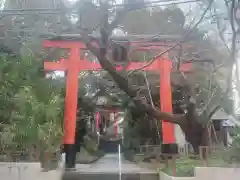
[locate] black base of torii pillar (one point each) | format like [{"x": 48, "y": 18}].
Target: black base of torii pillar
[{"x": 70, "y": 157}]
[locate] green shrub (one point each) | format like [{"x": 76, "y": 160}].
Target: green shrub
[
  {"x": 184, "y": 167},
  {"x": 31, "y": 106}
]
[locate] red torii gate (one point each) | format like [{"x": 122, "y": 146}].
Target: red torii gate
[{"x": 74, "y": 65}]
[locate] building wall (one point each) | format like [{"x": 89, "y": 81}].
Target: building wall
[{"x": 208, "y": 173}]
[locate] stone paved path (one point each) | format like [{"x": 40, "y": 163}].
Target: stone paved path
[{"x": 110, "y": 163}]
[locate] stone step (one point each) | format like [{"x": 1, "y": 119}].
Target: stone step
[
  {"x": 109, "y": 176},
  {"x": 109, "y": 146},
  {"x": 109, "y": 168}
]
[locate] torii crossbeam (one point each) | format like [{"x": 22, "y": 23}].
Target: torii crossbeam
[{"x": 74, "y": 64}]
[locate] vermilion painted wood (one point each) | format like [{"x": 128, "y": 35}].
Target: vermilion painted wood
[
  {"x": 74, "y": 65},
  {"x": 168, "y": 131},
  {"x": 97, "y": 120},
  {"x": 66, "y": 44},
  {"x": 84, "y": 65},
  {"x": 71, "y": 97}
]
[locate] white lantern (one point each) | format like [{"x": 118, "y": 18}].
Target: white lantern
[
  {"x": 118, "y": 32},
  {"x": 102, "y": 100}
]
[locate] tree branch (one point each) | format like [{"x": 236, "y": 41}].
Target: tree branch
[
  {"x": 177, "y": 43},
  {"x": 122, "y": 83},
  {"x": 121, "y": 80}
]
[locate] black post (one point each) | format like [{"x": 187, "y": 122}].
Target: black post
[
  {"x": 71, "y": 150},
  {"x": 70, "y": 159}
]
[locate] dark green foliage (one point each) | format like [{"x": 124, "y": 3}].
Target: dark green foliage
[{"x": 31, "y": 108}]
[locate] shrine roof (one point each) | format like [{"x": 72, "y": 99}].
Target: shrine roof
[{"x": 146, "y": 38}]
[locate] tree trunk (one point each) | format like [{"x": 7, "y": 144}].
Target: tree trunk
[{"x": 193, "y": 129}]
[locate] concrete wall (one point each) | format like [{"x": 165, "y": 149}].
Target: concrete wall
[
  {"x": 26, "y": 171},
  {"x": 208, "y": 173},
  {"x": 214, "y": 173},
  {"x": 164, "y": 176},
  {"x": 30, "y": 171}
]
